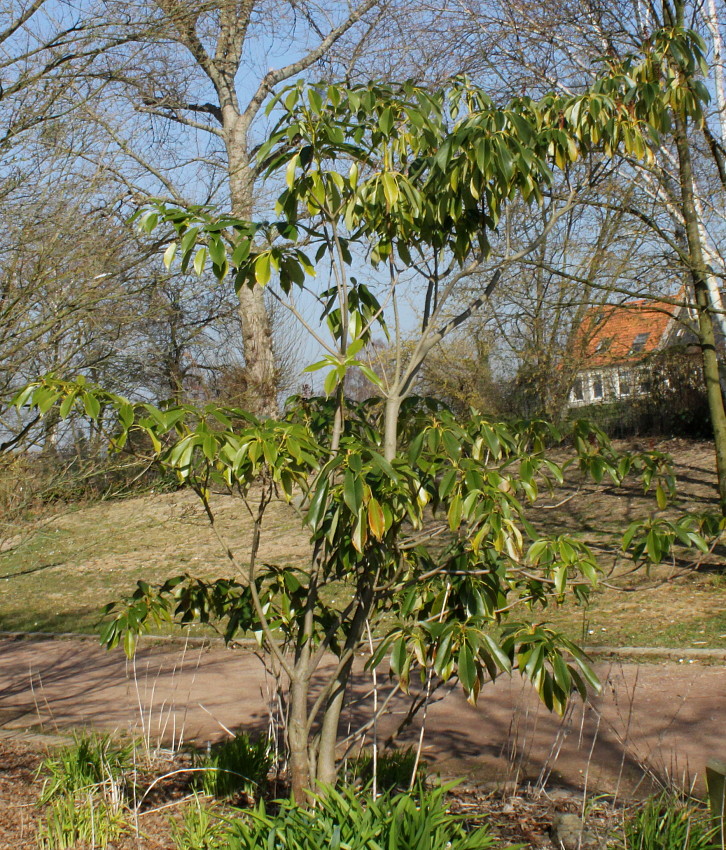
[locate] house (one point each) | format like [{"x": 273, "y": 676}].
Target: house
[{"x": 616, "y": 343}]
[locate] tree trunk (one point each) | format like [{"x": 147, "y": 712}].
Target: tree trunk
[
  {"x": 390, "y": 435},
  {"x": 699, "y": 277},
  {"x": 300, "y": 774},
  {"x": 260, "y": 371},
  {"x": 327, "y": 770}
]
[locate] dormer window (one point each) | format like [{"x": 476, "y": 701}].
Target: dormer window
[
  {"x": 639, "y": 343},
  {"x": 604, "y": 345}
]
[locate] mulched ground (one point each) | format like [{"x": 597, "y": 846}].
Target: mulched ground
[
  {"x": 20, "y": 788},
  {"x": 514, "y": 816}
]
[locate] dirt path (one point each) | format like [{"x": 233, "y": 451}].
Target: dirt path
[{"x": 665, "y": 719}]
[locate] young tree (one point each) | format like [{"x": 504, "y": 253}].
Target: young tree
[{"x": 417, "y": 520}]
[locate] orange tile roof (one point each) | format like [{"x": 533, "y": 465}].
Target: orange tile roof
[{"x": 607, "y": 333}]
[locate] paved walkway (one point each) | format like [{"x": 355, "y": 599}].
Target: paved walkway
[{"x": 652, "y": 719}]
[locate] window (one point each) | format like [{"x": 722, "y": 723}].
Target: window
[
  {"x": 577, "y": 390},
  {"x": 597, "y": 387},
  {"x": 625, "y": 383},
  {"x": 639, "y": 343},
  {"x": 604, "y": 344}
]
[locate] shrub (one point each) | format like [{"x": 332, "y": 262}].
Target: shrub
[
  {"x": 342, "y": 818},
  {"x": 237, "y": 766},
  {"x": 668, "y": 823}
]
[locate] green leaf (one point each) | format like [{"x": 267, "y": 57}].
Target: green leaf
[
  {"x": 371, "y": 375},
  {"x": 91, "y": 405},
  {"x": 129, "y": 643},
  {"x": 217, "y": 251},
  {"x": 67, "y": 404},
  {"x": 661, "y": 497},
  {"x": 330, "y": 382},
  {"x": 169, "y": 254},
  {"x": 352, "y": 491},
  {"x": 398, "y": 656},
  {"x": 262, "y": 269},
  {"x": 455, "y": 512},
  {"x": 466, "y": 667},
  {"x": 44, "y": 398},
  {"x": 452, "y": 445},
  {"x": 200, "y": 260},
  {"x": 447, "y": 482},
  {"x": 318, "y": 503},
  {"x": 654, "y": 546},
  {"x": 502, "y": 659},
  {"x": 376, "y": 520},
  {"x": 390, "y": 188},
  {"x": 385, "y": 122},
  {"x": 290, "y": 171},
  {"x": 414, "y": 450}
]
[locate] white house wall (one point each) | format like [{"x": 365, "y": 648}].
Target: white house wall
[{"x": 602, "y": 385}]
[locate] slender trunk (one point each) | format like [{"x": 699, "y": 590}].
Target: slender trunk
[
  {"x": 706, "y": 334},
  {"x": 298, "y": 742},
  {"x": 390, "y": 432},
  {"x": 327, "y": 770},
  {"x": 326, "y": 765},
  {"x": 260, "y": 371}
]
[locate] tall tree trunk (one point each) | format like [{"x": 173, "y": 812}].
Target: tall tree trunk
[
  {"x": 260, "y": 370},
  {"x": 699, "y": 277}
]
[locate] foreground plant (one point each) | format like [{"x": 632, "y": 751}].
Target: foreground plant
[
  {"x": 417, "y": 522},
  {"x": 417, "y": 820}
]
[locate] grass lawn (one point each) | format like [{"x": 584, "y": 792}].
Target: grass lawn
[{"x": 55, "y": 575}]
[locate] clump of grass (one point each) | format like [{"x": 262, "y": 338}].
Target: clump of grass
[
  {"x": 73, "y": 822},
  {"x": 237, "y": 766},
  {"x": 667, "y": 823},
  {"x": 394, "y": 770},
  {"x": 85, "y": 790},
  {"x": 200, "y": 829},
  {"x": 93, "y": 762}
]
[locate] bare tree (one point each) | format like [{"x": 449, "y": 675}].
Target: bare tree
[
  {"x": 679, "y": 198},
  {"x": 208, "y": 89}
]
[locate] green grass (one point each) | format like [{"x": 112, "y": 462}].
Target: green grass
[
  {"x": 60, "y": 574},
  {"x": 59, "y": 577}
]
